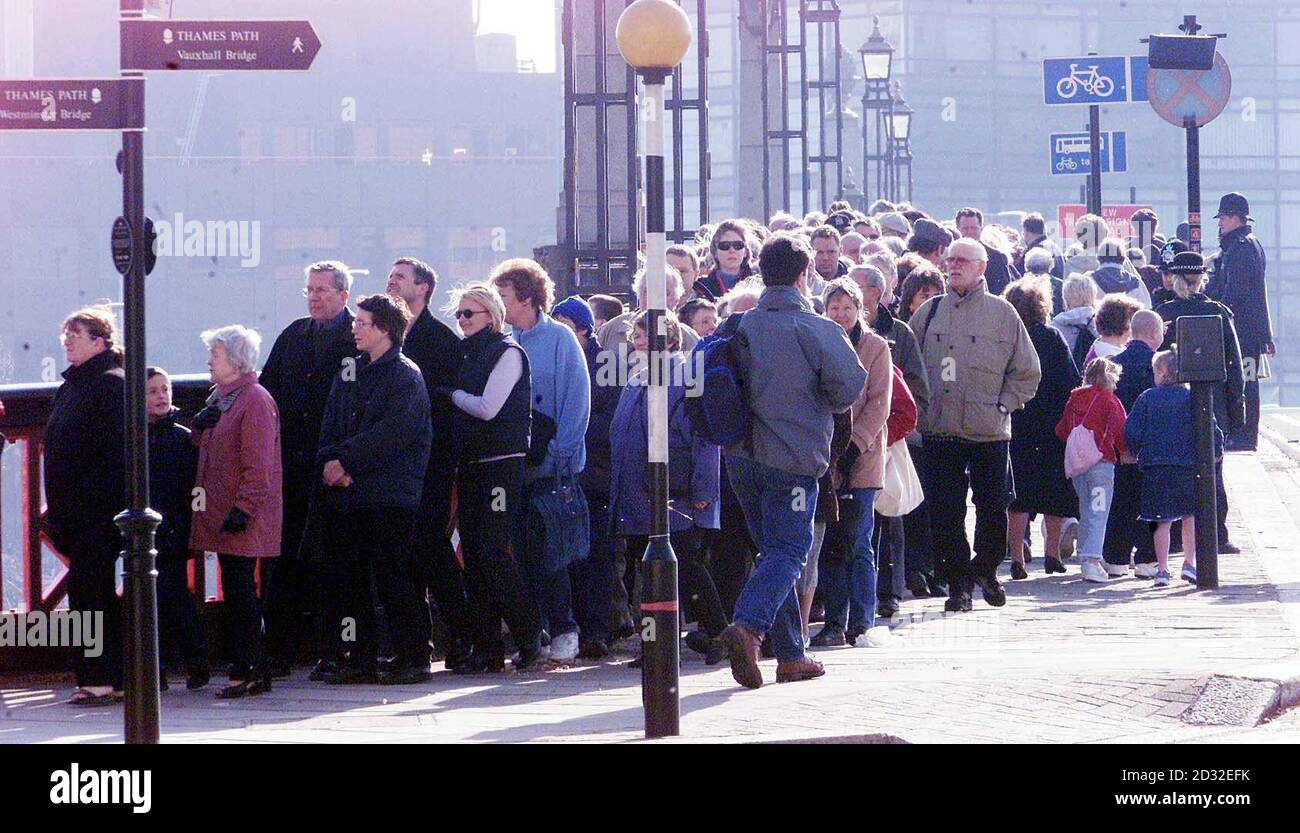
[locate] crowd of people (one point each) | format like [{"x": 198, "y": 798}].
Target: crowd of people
[{"x": 384, "y": 485}]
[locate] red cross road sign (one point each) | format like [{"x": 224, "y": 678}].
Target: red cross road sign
[
  {"x": 68, "y": 104},
  {"x": 1181, "y": 94},
  {"x": 223, "y": 45}
]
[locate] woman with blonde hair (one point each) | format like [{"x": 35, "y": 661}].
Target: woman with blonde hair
[{"x": 492, "y": 396}]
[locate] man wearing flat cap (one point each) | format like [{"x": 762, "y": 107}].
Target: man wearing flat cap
[{"x": 1238, "y": 281}]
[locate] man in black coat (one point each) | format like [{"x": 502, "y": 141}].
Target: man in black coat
[
  {"x": 1238, "y": 282},
  {"x": 1000, "y": 272},
  {"x": 436, "y": 350},
  {"x": 302, "y": 365}
]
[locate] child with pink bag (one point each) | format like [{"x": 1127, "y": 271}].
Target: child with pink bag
[{"x": 1092, "y": 428}]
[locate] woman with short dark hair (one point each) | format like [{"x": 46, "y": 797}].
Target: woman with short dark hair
[
  {"x": 85, "y": 488},
  {"x": 374, "y": 453}
]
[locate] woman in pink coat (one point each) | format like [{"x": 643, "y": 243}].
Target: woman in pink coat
[{"x": 237, "y": 496}]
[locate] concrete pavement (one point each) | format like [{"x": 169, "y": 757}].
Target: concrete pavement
[{"x": 1064, "y": 661}]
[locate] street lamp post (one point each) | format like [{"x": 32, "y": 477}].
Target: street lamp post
[
  {"x": 900, "y": 135},
  {"x": 653, "y": 36},
  {"x": 877, "y": 64}
]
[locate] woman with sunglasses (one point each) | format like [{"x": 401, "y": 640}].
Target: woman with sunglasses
[
  {"x": 730, "y": 249},
  {"x": 491, "y": 424}
]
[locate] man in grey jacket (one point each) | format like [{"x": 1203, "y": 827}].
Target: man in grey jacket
[
  {"x": 798, "y": 369},
  {"x": 981, "y": 366}
]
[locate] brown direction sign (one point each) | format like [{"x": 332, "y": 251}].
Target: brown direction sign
[
  {"x": 69, "y": 104},
  {"x": 218, "y": 45}
]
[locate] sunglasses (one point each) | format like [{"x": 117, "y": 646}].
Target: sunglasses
[
  {"x": 731, "y": 245},
  {"x": 467, "y": 314}
]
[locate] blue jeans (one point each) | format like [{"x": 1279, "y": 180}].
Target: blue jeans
[
  {"x": 552, "y": 590},
  {"x": 779, "y": 509},
  {"x": 1095, "y": 488},
  {"x": 852, "y": 584}
]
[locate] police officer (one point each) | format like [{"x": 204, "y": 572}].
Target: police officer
[
  {"x": 1238, "y": 282},
  {"x": 1188, "y": 269}
]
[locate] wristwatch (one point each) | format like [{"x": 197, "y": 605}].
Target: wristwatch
[{"x": 1002, "y": 409}]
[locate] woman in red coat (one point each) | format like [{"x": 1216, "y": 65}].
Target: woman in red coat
[{"x": 238, "y": 499}]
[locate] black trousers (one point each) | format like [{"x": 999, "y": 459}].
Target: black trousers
[
  {"x": 92, "y": 586},
  {"x": 593, "y": 576},
  {"x": 695, "y": 588},
  {"x": 243, "y": 617},
  {"x": 490, "y": 496},
  {"x": 954, "y": 466},
  {"x": 290, "y": 589},
  {"x": 891, "y": 571},
  {"x": 436, "y": 567},
  {"x": 732, "y": 555},
  {"x": 1124, "y": 531},
  {"x": 917, "y": 538},
  {"x": 180, "y": 630},
  {"x": 366, "y": 543}
]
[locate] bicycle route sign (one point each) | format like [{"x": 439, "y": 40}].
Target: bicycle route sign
[
  {"x": 1072, "y": 152},
  {"x": 1180, "y": 95},
  {"x": 1095, "y": 79}
]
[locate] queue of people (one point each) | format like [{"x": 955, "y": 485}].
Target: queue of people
[{"x": 894, "y": 367}]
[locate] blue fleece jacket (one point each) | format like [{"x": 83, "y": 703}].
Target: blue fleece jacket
[
  {"x": 561, "y": 391},
  {"x": 1159, "y": 428}
]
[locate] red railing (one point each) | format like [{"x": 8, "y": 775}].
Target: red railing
[{"x": 22, "y": 420}]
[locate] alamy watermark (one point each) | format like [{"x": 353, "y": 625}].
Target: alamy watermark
[
  {"x": 209, "y": 238},
  {"x": 59, "y": 629}
]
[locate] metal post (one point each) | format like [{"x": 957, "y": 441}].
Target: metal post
[
  {"x": 1207, "y": 542},
  {"x": 1193, "y": 184},
  {"x": 138, "y": 522},
  {"x": 659, "y": 621},
  {"x": 1094, "y": 178}
]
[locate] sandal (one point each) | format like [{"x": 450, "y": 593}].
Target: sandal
[
  {"x": 85, "y": 697},
  {"x": 244, "y": 687}
]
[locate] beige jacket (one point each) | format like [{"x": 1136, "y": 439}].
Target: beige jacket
[
  {"x": 977, "y": 355},
  {"x": 870, "y": 413}
]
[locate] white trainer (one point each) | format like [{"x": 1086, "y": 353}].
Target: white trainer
[
  {"x": 564, "y": 648},
  {"x": 1093, "y": 571},
  {"x": 1146, "y": 570},
  {"x": 1117, "y": 570},
  {"x": 878, "y": 637}
]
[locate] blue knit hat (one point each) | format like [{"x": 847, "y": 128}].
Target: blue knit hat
[{"x": 576, "y": 310}]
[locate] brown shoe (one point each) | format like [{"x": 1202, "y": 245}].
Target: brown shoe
[
  {"x": 804, "y": 668},
  {"x": 742, "y": 648}
]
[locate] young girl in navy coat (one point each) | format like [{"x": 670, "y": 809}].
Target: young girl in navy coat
[{"x": 1159, "y": 433}]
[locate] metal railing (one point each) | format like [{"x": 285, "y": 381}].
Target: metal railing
[{"x": 26, "y": 411}]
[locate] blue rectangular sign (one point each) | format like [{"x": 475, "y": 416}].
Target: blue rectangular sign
[
  {"x": 1137, "y": 71},
  {"x": 1090, "y": 79},
  {"x": 1071, "y": 153}
]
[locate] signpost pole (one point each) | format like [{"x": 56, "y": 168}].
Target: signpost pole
[
  {"x": 1207, "y": 509},
  {"x": 138, "y": 522},
  {"x": 1094, "y": 176},
  {"x": 1193, "y": 183}
]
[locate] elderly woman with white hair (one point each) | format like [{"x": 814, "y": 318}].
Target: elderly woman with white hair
[
  {"x": 1079, "y": 295},
  {"x": 1039, "y": 262},
  {"x": 239, "y": 489}
]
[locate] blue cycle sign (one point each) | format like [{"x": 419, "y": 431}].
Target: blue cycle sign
[
  {"x": 1072, "y": 153},
  {"x": 1094, "y": 79}
]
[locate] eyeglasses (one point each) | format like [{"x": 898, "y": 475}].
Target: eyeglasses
[
  {"x": 467, "y": 314},
  {"x": 731, "y": 245},
  {"x": 316, "y": 291},
  {"x": 961, "y": 261}
]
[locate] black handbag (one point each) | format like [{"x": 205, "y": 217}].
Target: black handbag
[{"x": 539, "y": 438}]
